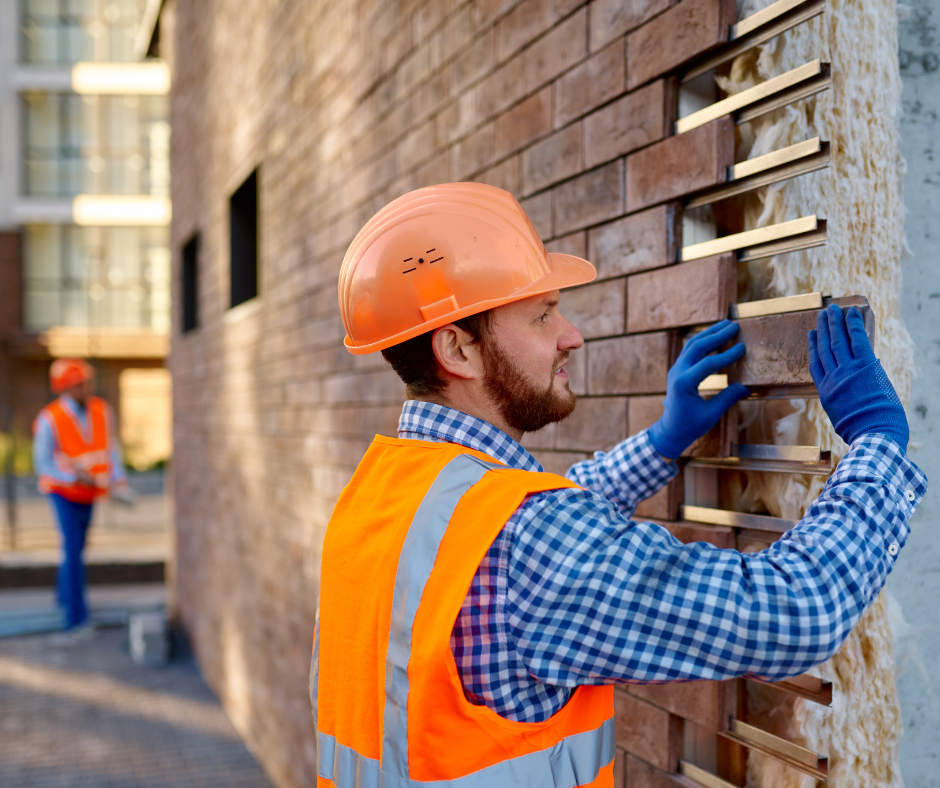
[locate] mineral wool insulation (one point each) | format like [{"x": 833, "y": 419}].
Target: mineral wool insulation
[{"x": 860, "y": 195}]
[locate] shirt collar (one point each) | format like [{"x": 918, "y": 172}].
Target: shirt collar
[
  {"x": 72, "y": 404},
  {"x": 430, "y": 421}
]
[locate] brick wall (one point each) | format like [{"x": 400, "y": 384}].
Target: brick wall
[{"x": 345, "y": 106}]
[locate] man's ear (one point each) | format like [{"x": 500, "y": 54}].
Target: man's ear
[{"x": 457, "y": 352}]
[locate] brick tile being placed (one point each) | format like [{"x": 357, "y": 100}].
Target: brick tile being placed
[
  {"x": 678, "y": 35},
  {"x": 637, "y": 242},
  {"x": 687, "y": 294},
  {"x": 589, "y": 199},
  {"x": 632, "y": 122},
  {"x": 636, "y": 364},
  {"x": 647, "y": 732},
  {"x": 680, "y": 165}
]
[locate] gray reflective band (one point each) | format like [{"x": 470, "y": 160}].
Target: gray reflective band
[
  {"x": 418, "y": 554},
  {"x": 574, "y": 761}
]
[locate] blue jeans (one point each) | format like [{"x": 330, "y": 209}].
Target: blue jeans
[{"x": 73, "y": 519}]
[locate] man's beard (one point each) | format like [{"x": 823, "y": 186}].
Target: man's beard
[{"x": 524, "y": 405}]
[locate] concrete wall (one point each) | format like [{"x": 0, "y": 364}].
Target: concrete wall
[{"x": 916, "y": 579}]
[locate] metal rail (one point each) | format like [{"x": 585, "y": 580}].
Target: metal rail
[
  {"x": 755, "y": 522},
  {"x": 800, "y": 83},
  {"x": 759, "y": 27},
  {"x": 750, "y": 241},
  {"x": 779, "y": 749}
]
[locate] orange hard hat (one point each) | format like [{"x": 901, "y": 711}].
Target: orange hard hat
[
  {"x": 67, "y": 372},
  {"x": 441, "y": 253}
]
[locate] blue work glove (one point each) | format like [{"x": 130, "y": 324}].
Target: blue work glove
[
  {"x": 688, "y": 415},
  {"x": 853, "y": 387}
]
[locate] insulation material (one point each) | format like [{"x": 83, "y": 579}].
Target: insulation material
[{"x": 860, "y": 195}]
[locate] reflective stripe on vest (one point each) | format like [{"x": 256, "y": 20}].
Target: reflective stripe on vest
[{"x": 573, "y": 761}]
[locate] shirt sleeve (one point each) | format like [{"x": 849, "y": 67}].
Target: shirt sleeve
[
  {"x": 595, "y": 598},
  {"x": 44, "y": 463},
  {"x": 629, "y": 473}
]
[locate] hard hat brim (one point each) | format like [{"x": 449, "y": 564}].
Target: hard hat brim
[{"x": 567, "y": 271}]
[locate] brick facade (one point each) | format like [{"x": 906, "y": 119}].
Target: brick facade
[{"x": 344, "y": 106}]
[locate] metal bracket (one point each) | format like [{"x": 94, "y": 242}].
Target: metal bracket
[
  {"x": 779, "y": 749},
  {"x": 781, "y": 165},
  {"x": 755, "y": 29},
  {"x": 754, "y": 522},
  {"x": 802, "y": 82},
  {"x": 771, "y": 459},
  {"x": 763, "y": 242},
  {"x": 808, "y": 687}
]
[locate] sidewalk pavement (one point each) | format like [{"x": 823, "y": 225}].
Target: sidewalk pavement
[{"x": 83, "y": 715}]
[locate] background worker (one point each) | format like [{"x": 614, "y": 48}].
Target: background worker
[
  {"x": 78, "y": 460},
  {"x": 476, "y": 611}
]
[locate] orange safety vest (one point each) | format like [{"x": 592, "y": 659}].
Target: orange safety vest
[
  {"x": 402, "y": 547},
  {"x": 79, "y": 447}
]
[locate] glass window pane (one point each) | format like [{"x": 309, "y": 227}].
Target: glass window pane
[
  {"x": 41, "y": 309},
  {"x": 42, "y": 253},
  {"x": 74, "y": 308},
  {"x": 41, "y": 7},
  {"x": 42, "y": 120}
]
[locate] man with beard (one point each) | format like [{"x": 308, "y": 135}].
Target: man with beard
[{"x": 475, "y": 611}]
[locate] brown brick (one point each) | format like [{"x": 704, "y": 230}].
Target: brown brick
[
  {"x": 474, "y": 153},
  {"x": 706, "y": 703},
  {"x": 589, "y": 199},
  {"x": 559, "y": 461},
  {"x": 611, "y": 19},
  {"x": 565, "y": 7},
  {"x": 476, "y": 62},
  {"x": 542, "y": 439},
  {"x": 487, "y": 11},
  {"x": 524, "y": 123},
  {"x": 598, "y": 423},
  {"x": 539, "y": 210},
  {"x": 637, "y": 242},
  {"x": 644, "y": 411},
  {"x": 435, "y": 171},
  {"x": 642, "y": 775},
  {"x": 552, "y": 159},
  {"x": 577, "y": 371},
  {"x": 457, "y": 119},
  {"x": 506, "y": 175},
  {"x": 647, "y": 732},
  {"x": 664, "y": 504},
  {"x": 691, "y": 293},
  {"x": 634, "y": 121},
  {"x": 502, "y": 88},
  {"x": 620, "y": 769},
  {"x": 524, "y": 23},
  {"x": 574, "y": 244},
  {"x": 556, "y": 52},
  {"x": 720, "y": 536},
  {"x": 680, "y": 165},
  {"x": 635, "y": 364},
  {"x": 596, "y": 310},
  {"x": 676, "y": 36},
  {"x": 596, "y": 80}
]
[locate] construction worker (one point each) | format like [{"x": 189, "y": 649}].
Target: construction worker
[
  {"x": 77, "y": 460},
  {"x": 475, "y": 611}
]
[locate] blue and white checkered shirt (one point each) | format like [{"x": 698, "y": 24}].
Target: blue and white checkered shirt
[{"x": 574, "y": 592}]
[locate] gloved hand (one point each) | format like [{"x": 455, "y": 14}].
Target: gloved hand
[
  {"x": 853, "y": 387},
  {"x": 688, "y": 415}
]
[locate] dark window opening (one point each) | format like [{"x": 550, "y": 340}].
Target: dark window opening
[
  {"x": 243, "y": 215},
  {"x": 190, "y": 284}
]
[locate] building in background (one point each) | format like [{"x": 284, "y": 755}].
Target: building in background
[{"x": 84, "y": 213}]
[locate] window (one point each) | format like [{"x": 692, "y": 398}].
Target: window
[
  {"x": 96, "y": 277},
  {"x": 60, "y": 32},
  {"x": 95, "y": 145},
  {"x": 243, "y": 217},
  {"x": 189, "y": 286}
]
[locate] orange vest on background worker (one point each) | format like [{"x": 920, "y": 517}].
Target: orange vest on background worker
[
  {"x": 402, "y": 547},
  {"x": 78, "y": 446}
]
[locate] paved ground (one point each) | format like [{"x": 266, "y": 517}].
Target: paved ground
[{"x": 85, "y": 716}]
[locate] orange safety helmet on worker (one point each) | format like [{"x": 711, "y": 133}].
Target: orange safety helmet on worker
[
  {"x": 411, "y": 527},
  {"x": 77, "y": 446}
]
